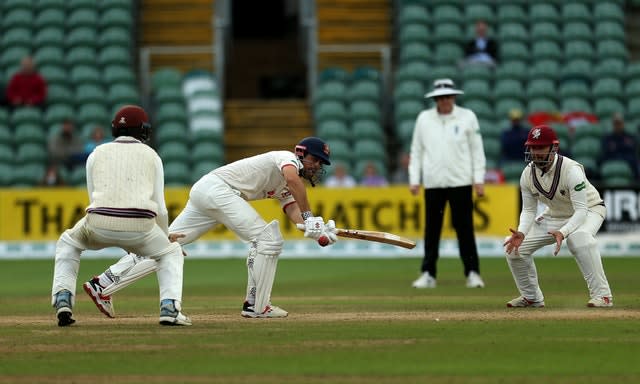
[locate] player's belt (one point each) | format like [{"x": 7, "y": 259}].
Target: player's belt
[{"x": 123, "y": 212}]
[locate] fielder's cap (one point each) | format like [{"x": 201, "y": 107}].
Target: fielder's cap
[
  {"x": 541, "y": 135},
  {"x": 130, "y": 116},
  {"x": 443, "y": 87}
]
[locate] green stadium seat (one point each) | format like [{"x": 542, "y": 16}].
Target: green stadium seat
[
  {"x": 608, "y": 11},
  {"x": 51, "y": 4},
  {"x": 29, "y": 132},
  {"x": 82, "y": 4},
  {"x": 479, "y": 11},
  {"x": 514, "y": 50},
  {"x": 575, "y": 104},
  {"x": 547, "y": 49},
  {"x": 170, "y": 132},
  {"x": 167, "y": 95},
  {"x": 586, "y": 146},
  {"x": 82, "y": 17},
  {"x": 448, "y": 53},
  {"x": 6, "y": 174},
  {"x": 85, "y": 74},
  {"x": 90, "y": 93},
  {"x": 512, "y": 171},
  {"x": 116, "y": 17},
  {"x": 576, "y": 69},
  {"x": 514, "y": 69},
  {"x": 81, "y": 56},
  {"x": 442, "y": 71},
  {"x": 605, "y": 107},
  {"x": 207, "y": 151},
  {"x": 166, "y": 77},
  {"x": 612, "y": 49},
  {"x": 577, "y": 30},
  {"x": 447, "y": 32},
  {"x": 57, "y": 113},
  {"x": 330, "y": 110},
  {"x": 579, "y": 49},
  {"x": 81, "y": 36},
  {"x": 509, "y": 32},
  {"x": 632, "y": 71},
  {"x": 404, "y": 130},
  {"x": 78, "y": 176},
  {"x": 632, "y": 89},
  {"x": 54, "y": 75},
  {"x": 334, "y": 73},
  {"x": 545, "y": 32},
  {"x": 408, "y": 90},
  {"x": 447, "y": 13},
  {"x": 123, "y": 94},
  {"x": 51, "y": 18},
  {"x": 117, "y": 36},
  {"x": 50, "y": 56},
  {"x": 492, "y": 149},
  {"x": 365, "y": 90},
  {"x": 8, "y": 5},
  {"x": 7, "y": 155},
  {"x": 408, "y": 110},
  {"x": 172, "y": 112},
  {"x": 114, "y": 55},
  {"x": 117, "y": 74},
  {"x": 28, "y": 174},
  {"x": 29, "y": 115},
  {"x": 543, "y": 12},
  {"x": 17, "y": 18},
  {"x": 17, "y": 37},
  {"x": 207, "y": 136},
  {"x": 93, "y": 113},
  {"x": 59, "y": 93},
  {"x": 333, "y": 130},
  {"x": 508, "y": 89},
  {"x": 31, "y": 153},
  {"x": 541, "y": 87},
  {"x": 612, "y": 30},
  {"x": 125, "y": 5},
  {"x": 480, "y": 107},
  {"x": 545, "y": 70},
  {"x": 633, "y": 108},
  {"x": 511, "y": 13},
  {"x": 607, "y": 87},
  {"x": 574, "y": 89},
  {"x": 174, "y": 151},
  {"x": 590, "y": 165},
  {"x": 414, "y": 70},
  {"x": 413, "y": 33},
  {"x": 477, "y": 89},
  {"x": 4, "y": 116},
  {"x": 592, "y": 130},
  {"x": 368, "y": 129},
  {"x": 11, "y": 57},
  {"x": 542, "y": 104},
  {"x": 415, "y": 51},
  {"x": 477, "y": 72},
  {"x": 200, "y": 169},
  {"x": 340, "y": 150},
  {"x": 616, "y": 172},
  {"x": 6, "y": 138},
  {"x": 364, "y": 110},
  {"x": 489, "y": 128},
  {"x": 576, "y": 12},
  {"x": 413, "y": 13},
  {"x": 49, "y": 37},
  {"x": 610, "y": 68},
  {"x": 331, "y": 90},
  {"x": 504, "y": 106}
]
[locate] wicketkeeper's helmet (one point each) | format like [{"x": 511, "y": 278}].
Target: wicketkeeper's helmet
[{"x": 131, "y": 120}]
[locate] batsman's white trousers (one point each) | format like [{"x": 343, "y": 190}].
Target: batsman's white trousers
[
  {"x": 152, "y": 243},
  {"x": 582, "y": 245}
]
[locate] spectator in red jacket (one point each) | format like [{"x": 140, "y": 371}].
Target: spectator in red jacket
[{"x": 26, "y": 87}]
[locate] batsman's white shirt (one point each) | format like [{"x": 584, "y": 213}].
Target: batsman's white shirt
[
  {"x": 222, "y": 195},
  {"x": 446, "y": 150}
]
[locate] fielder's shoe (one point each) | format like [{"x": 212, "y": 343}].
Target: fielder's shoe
[
  {"x": 63, "y": 308},
  {"x": 170, "y": 314},
  {"x": 424, "y": 281},
  {"x": 103, "y": 302},
  {"x": 523, "y": 302},
  {"x": 271, "y": 312},
  {"x": 474, "y": 280},
  {"x": 600, "y": 302}
]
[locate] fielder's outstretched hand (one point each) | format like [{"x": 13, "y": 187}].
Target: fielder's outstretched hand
[{"x": 514, "y": 242}]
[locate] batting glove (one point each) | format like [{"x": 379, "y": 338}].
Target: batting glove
[
  {"x": 330, "y": 231},
  {"x": 314, "y": 227}
]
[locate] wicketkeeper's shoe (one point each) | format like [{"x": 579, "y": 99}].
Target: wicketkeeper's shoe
[
  {"x": 523, "y": 302},
  {"x": 424, "y": 281},
  {"x": 474, "y": 280},
  {"x": 103, "y": 302},
  {"x": 600, "y": 302},
  {"x": 271, "y": 312},
  {"x": 170, "y": 314},
  {"x": 62, "y": 305}
]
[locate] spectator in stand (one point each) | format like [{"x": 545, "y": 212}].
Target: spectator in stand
[
  {"x": 401, "y": 173},
  {"x": 372, "y": 178},
  {"x": 52, "y": 177},
  {"x": 96, "y": 138},
  {"x": 620, "y": 145},
  {"x": 513, "y": 137},
  {"x": 340, "y": 178},
  {"x": 26, "y": 87},
  {"x": 482, "y": 49},
  {"x": 66, "y": 148}
]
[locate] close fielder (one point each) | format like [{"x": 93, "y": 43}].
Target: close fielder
[
  {"x": 221, "y": 197},
  {"x": 575, "y": 211},
  {"x": 125, "y": 182}
]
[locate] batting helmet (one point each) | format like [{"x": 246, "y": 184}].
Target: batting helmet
[
  {"x": 541, "y": 135},
  {"x": 131, "y": 120},
  {"x": 314, "y": 146}
]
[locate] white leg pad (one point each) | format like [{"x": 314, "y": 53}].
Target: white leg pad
[
  {"x": 139, "y": 269},
  {"x": 263, "y": 261}
]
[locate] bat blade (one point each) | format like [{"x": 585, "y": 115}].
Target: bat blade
[{"x": 379, "y": 237}]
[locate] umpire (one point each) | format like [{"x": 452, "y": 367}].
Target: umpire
[{"x": 448, "y": 157}]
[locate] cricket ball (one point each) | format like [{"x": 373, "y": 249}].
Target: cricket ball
[{"x": 323, "y": 241}]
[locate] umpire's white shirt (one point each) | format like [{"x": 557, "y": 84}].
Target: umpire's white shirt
[{"x": 446, "y": 150}]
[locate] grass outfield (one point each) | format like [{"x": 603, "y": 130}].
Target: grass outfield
[{"x": 351, "y": 321}]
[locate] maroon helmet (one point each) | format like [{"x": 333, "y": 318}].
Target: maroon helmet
[
  {"x": 131, "y": 120},
  {"x": 541, "y": 136}
]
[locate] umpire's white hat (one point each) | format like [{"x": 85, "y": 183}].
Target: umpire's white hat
[{"x": 443, "y": 87}]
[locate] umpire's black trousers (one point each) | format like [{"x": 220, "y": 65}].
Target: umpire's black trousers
[{"x": 461, "y": 205}]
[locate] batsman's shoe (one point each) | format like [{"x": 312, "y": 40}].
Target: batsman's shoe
[
  {"x": 474, "y": 280},
  {"x": 170, "y": 314},
  {"x": 523, "y": 302},
  {"x": 271, "y": 312},
  {"x": 103, "y": 302},
  {"x": 63, "y": 308},
  {"x": 600, "y": 302},
  {"x": 424, "y": 281}
]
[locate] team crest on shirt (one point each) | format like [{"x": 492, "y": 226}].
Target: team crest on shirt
[
  {"x": 563, "y": 192},
  {"x": 580, "y": 186}
]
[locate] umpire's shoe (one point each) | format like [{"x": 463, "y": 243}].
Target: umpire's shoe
[
  {"x": 62, "y": 305},
  {"x": 103, "y": 302},
  {"x": 170, "y": 314}
]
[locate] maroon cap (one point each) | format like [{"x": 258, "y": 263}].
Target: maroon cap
[
  {"x": 541, "y": 135},
  {"x": 130, "y": 116}
]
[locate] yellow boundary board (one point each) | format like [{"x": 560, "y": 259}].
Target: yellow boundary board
[{"x": 42, "y": 214}]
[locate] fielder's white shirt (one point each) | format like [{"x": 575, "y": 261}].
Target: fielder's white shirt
[
  {"x": 447, "y": 150},
  {"x": 564, "y": 189},
  {"x": 260, "y": 177},
  {"x": 125, "y": 179}
]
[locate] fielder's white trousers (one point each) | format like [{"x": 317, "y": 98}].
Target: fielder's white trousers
[
  {"x": 153, "y": 243},
  {"x": 582, "y": 245}
]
